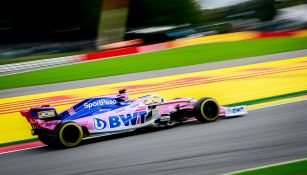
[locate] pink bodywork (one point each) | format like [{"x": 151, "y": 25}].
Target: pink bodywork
[
  {"x": 165, "y": 108},
  {"x": 173, "y": 105},
  {"x": 181, "y": 103}
]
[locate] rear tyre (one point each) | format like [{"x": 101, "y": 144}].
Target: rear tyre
[
  {"x": 68, "y": 134},
  {"x": 207, "y": 110}
]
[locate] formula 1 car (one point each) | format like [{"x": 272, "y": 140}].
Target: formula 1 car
[{"x": 99, "y": 116}]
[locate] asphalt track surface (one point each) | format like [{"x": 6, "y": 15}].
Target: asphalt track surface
[
  {"x": 265, "y": 136},
  {"x": 148, "y": 74}
]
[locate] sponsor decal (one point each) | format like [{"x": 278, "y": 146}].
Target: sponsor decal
[
  {"x": 134, "y": 105},
  {"x": 46, "y": 114},
  {"x": 104, "y": 110},
  {"x": 99, "y": 123},
  {"x": 120, "y": 120},
  {"x": 124, "y": 103},
  {"x": 119, "y": 110},
  {"x": 100, "y": 102},
  {"x": 71, "y": 111},
  {"x": 237, "y": 110},
  {"x": 51, "y": 123}
]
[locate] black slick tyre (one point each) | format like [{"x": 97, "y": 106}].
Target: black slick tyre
[
  {"x": 207, "y": 110},
  {"x": 68, "y": 134}
]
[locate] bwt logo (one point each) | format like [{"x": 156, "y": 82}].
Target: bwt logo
[{"x": 117, "y": 121}]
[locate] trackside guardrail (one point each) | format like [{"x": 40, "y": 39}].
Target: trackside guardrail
[{"x": 27, "y": 66}]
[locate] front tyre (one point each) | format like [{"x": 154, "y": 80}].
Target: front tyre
[
  {"x": 207, "y": 110},
  {"x": 68, "y": 134}
]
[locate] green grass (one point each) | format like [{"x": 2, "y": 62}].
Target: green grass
[
  {"x": 296, "y": 168},
  {"x": 183, "y": 56},
  {"x": 18, "y": 142}
]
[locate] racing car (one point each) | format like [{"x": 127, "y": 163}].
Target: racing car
[{"x": 105, "y": 115}]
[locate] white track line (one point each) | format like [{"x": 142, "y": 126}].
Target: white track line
[{"x": 22, "y": 149}]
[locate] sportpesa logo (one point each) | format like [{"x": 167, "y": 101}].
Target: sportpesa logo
[{"x": 99, "y": 103}]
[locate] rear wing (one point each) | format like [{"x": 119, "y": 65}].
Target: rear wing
[
  {"x": 27, "y": 115},
  {"x": 44, "y": 112}
]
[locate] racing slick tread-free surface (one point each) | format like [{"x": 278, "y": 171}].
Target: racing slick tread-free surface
[
  {"x": 68, "y": 134},
  {"x": 207, "y": 110}
]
